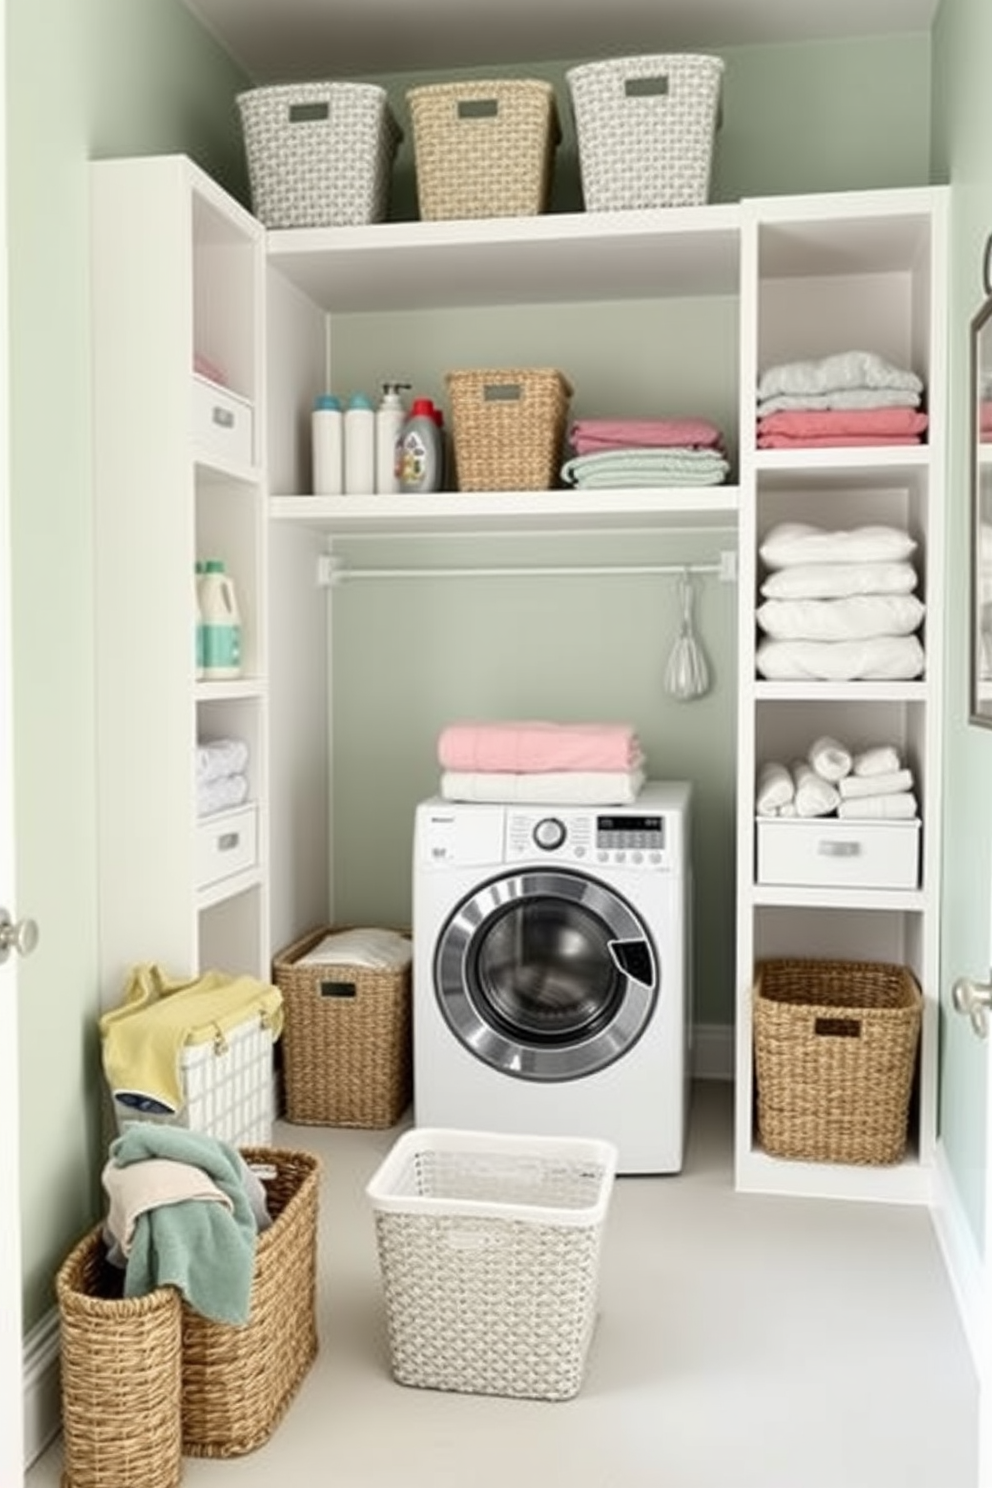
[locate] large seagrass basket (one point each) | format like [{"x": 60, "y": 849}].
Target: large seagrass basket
[
  {"x": 484, "y": 148},
  {"x": 835, "y": 1046},
  {"x": 509, "y": 427}
]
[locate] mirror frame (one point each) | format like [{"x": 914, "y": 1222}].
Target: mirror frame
[{"x": 980, "y": 337}]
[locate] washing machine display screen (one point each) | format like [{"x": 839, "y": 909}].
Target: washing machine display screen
[
  {"x": 631, "y": 832},
  {"x": 545, "y": 972}
]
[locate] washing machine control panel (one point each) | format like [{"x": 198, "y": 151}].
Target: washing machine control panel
[{"x": 626, "y": 839}]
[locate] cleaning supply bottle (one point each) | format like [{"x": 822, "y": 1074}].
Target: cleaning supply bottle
[
  {"x": 421, "y": 449},
  {"x": 390, "y": 417},
  {"x": 327, "y": 445},
  {"x": 221, "y": 623},
  {"x": 359, "y": 447}
]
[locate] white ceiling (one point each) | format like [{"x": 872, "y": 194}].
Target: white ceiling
[{"x": 291, "y": 40}]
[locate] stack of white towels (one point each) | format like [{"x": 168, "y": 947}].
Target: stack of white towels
[
  {"x": 833, "y": 780},
  {"x": 221, "y": 775},
  {"x": 839, "y": 606}
]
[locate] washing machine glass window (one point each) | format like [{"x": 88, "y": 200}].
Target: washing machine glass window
[{"x": 546, "y": 975}]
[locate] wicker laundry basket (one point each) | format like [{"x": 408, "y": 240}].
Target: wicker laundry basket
[
  {"x": 120, "y": 1373},
  {"x": 646, "y": 128},
  {"x": 319, "y": 154},
  {"x": 489, "y": 1249},
  {"x": 238, "y": 1382},
  {"x": 835, "y": 1046},
  {"x": 484, "y": 148},
  {"x": 347, "y": 1039},
  {"x": 508, "y": 427}
]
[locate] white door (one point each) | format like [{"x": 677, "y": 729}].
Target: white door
[{"x": 11, "y": 1347}]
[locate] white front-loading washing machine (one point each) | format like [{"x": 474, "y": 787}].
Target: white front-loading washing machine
[{"x": 551, "y": 973}]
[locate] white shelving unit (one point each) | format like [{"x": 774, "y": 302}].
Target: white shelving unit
[
  {"x": 177, "y": 273},
  {"x": 824, "y": 275}
]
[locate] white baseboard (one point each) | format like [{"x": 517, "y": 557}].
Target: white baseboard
[
  {"x": 712, "y": 1056},
  {"x": 42, "y": 1397},
  {"x": 962, "y": 1260}
]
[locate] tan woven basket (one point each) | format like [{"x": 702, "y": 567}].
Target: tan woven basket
[
  {"x": 484, "y": 148},
  {"x": 835, "y": 1047},
  {"x": 347, "y": 1040},
  {"x": 508, "y": 427},
  {"x": 237, "y": 1383},
  {"x": 121, "y": 1371}
]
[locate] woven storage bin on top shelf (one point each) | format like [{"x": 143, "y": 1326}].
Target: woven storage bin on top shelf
[
  {"x": 835, "y": 1047},
  {"x": 645, "y": 128},
  {"x": 484, "y": 148},
  {"x": 489, "y": 1249},
  {"x": 508, "y": 427},
  {"x": 347, "y": 1039},
  {"x": 120, "y": 1373},
  {"x": 238, "y": 1382},
  {"x": 319, "y": 154}
]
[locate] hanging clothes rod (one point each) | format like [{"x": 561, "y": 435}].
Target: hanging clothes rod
[{"x": 333, "y": 571}]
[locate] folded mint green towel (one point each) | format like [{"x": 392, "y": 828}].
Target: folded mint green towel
[
  {"x": 205, "y": 1250},
  {"x": 647, "y": 467}
]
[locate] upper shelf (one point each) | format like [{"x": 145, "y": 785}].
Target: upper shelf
[{"x": 556, "y": 258}]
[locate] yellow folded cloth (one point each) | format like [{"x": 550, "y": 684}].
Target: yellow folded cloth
[{"x": 144, "y": 1037}]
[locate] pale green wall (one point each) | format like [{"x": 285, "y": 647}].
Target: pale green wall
[
  {"x": 116, "y": 77},
  {"x": 962, "y": 66},
  {"x": 131, "y": 78}
]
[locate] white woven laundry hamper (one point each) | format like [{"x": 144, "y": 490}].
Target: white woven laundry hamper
[
  {"x": 489, "y": 1250},
  {"x": 645, "y": 128}
]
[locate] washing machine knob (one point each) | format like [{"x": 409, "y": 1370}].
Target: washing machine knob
[{"x": 549, "y": 833}]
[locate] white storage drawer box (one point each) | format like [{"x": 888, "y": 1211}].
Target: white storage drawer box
[
  {"x": 226, "y": 843},
  {"x": 826, "y": 852},
  {"x": 223, "y": 425}
]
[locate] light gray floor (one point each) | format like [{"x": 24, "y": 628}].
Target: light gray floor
[{"x": 742, "y": 1342}]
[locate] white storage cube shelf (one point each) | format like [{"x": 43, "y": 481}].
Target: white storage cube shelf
[
  {"x": 223, "y": 425},
  {"x": 489, "y": 1251},
  {"x": 827, "y": 853},
  {"x": 226, "y": 843},
  {"x": 227, "y": 1085}
]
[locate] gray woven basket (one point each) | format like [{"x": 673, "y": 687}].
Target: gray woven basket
[
  {"x": 319, "y": 154},
  {"x": 489, "y": 1248},
  {"x": 484, "y": 148},
  {"x": 645, "y": 128}
]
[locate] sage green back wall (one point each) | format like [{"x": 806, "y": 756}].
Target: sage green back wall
[
  {"x": 106, "y": 77},
  {"x": 962, "y": 62}
]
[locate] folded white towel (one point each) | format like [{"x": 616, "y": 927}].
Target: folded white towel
[
  {"x": 856, "y": 397},
  {"x": 814, "y": 795},
  {"x": 855, "y": 618},
  {"x": 843, "y": 369},
  {"x": 775, "y": 788},
  {"x": 839, "y": 580},
  {"x": 551, "y": 787},
  {"x": 900, "y": 807},
  {"x": 830, "y": 759},
  {"x": 889, "y": 784},
  {"x": 219, "y": 757},
  {"x": 221, "y": 795},
  {"x": 802, "y": 542},
  {"x": 877, "y": 658},
  {"x": 879, "y": 760}
]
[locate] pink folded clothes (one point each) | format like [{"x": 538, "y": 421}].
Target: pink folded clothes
[
  {"x": 831, "y": 441},
  {"x": 860, "y": 421},
  {"x": 204, "y": 367},
  {"x": 530, "y": 747},
  {"x": 589, "y": 435},
  {"x": 985, "y": 416}
]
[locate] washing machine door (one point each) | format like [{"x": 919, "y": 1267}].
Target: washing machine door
[{"x": 546, "y": 975}]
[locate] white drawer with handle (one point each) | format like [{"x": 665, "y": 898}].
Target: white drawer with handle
[
  {"x": 226, "y": 843},
  {"x": 827, "y": 852},
  {"x": 223, "y": 425}
]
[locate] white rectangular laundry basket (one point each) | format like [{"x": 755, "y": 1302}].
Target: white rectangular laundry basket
[{"x": 489, "y": 1248}]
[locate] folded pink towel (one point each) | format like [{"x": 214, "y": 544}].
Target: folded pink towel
[
  {"x": 831, "y": 441},
  {"x": 588, "y": 435},
  {"x": 530, "y": 747},
  {"x": 861, "y": 421}
]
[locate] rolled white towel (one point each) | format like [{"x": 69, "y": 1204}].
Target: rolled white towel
[
  {"x": 814, "y": 795},
  {"x": 900, "y": 807},
  {"x": 775, "y": 788},
  {"x": 829, "y": 758},
  {"x": 889, "y": 784},
  {"x": 217, "y": 758},
  {"x": 221, "y": 795},
  {"x": 789, "y": 809},
  {"x": 880, "y": 760}
]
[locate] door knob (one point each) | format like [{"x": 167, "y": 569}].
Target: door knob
[
  {"x": 16, "y": 935},
  {"x": 974, "y": 999}
]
